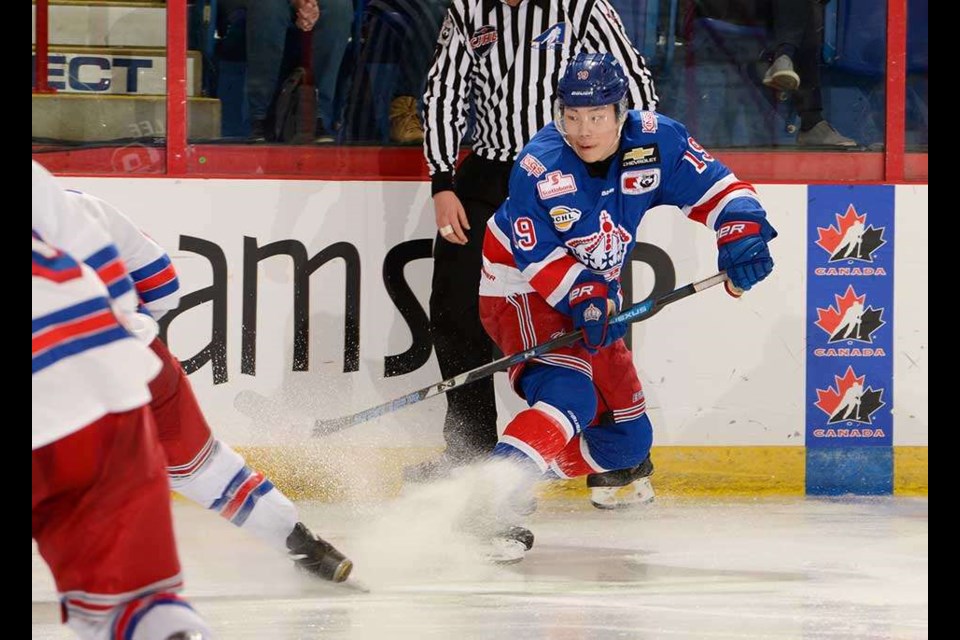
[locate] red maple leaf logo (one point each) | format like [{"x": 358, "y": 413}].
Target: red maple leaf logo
[
  {"x": 830, "y": 237},
  {"x": 828, "y": 319},
  {"x": 828, "y": 400}
]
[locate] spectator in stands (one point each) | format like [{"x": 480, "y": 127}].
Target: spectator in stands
[
  {"x": 269, "y": 22},
  {"x": 797, "y": 35},
  {"x": 398, "y": 38}
]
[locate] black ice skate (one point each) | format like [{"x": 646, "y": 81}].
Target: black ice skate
[
  {"x": 317, "y": 556},
  {"x": 510, "y": 545},
  {"x": 606, "y": 487}
]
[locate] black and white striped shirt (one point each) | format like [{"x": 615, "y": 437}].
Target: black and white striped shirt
[{"x": 508, "y": 60}]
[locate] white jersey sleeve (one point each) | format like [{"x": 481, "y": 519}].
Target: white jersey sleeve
[
  {"x": 85, "y": 363},
  {"x": 72, "y": 229},
  {"x": 149, "y": 266}
]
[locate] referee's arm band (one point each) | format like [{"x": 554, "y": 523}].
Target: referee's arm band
[{"x": 441, "y": 181}]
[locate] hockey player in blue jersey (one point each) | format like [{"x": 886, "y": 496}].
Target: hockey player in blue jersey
[{"x": 552, "y": 260}]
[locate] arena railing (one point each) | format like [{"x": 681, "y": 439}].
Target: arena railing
[{"x": 173, "y": 155}]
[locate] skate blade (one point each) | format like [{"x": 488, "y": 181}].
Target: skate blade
[
  {"x": 503, "y": 551},
  {"x": 636, "y": 494}
]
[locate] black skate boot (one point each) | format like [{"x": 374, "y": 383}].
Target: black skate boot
[
  {"x": 510, "y": 545},
  {"x": 317, "y": 556},
  {"x": 604, "y": 487}
]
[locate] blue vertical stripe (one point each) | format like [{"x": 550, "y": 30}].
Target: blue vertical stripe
[{"x": 849, "y": 328}]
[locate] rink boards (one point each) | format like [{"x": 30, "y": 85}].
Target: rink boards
[{"x": 308, "y": 299}]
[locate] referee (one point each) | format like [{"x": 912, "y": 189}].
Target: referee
[{"x": 504, "y": 59}]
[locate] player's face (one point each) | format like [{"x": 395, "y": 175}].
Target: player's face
[{"x": 593, "y": 132}]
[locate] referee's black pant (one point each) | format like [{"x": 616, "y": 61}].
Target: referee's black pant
[{"x": 470, "y": 426}]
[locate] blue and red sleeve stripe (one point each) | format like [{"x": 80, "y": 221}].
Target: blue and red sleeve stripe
[
  {"x": 112, "y": 272},
  {"x": 156, "y": 280},
  {"x": 73, "y": 330}
]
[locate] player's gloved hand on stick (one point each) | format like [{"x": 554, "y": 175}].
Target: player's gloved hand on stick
[
  {"x": 592, "y": 303},
  {"x": 743, "y": 252}
]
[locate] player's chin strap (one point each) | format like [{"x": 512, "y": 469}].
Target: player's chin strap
[{"x": 636, "y": 313}]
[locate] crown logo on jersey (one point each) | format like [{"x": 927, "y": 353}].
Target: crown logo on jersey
[
  {"x": 592, "y": 313},
  {"x": 851, "y": 239},
  {"x": 850, "y": 320},
  {"x": 604, "y": 250},
  {"x": 850, "y": 401}
]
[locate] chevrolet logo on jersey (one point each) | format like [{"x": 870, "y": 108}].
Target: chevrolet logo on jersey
[{"x": 639, "y": 156}]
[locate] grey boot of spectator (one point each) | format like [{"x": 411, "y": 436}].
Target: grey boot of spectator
[
  {"x": 781, "y": 76},
  {"x": 823, "y": 134}
]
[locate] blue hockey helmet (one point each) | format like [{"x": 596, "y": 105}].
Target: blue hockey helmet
[{"x": 592, "y": 80}]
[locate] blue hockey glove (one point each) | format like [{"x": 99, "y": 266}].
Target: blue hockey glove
[
  {"x": 588, "y": 306},
  {"x": 743, "y": 253}
]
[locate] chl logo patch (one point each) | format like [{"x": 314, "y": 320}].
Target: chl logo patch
[
  {"x": 564, "y": 217},
  {"x": 850, "y": 320},
  {"x": 636, "y": 182},
  {"x": 849, "y": 401},
  {"x": 483, "y": 38},
  {"x": 851, "y": 239}
]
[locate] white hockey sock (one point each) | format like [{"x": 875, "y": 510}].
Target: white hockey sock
[
  {"x": 244, "y": 496},
  {"x": 158, "y": 617}
]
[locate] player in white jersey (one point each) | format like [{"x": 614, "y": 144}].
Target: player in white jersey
[
  {"x": 101, "y": 500},
  {"x": 553, "y": 256},
  {"x": 200, "y": 466}
]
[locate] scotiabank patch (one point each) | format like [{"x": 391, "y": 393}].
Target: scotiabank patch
[{"x": 556, "y": 184}]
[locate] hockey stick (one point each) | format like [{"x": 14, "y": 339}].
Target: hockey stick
[{"x": 633, "y": 314}]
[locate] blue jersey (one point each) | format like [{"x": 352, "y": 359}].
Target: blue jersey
[{"x": 560, "y": 220}]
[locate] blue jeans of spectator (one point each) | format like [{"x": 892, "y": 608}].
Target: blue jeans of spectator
[
  {"x": 268, "y": 24},
  {"x": 399, "y": 40}
]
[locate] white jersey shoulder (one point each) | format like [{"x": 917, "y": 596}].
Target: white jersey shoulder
[{"x": 71, "y": 228}]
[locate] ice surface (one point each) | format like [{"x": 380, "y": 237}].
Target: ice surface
[{"x": 788, "y": 568}]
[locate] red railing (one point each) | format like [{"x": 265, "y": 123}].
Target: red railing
[
  {"x": 43, "y": 47},
  {"x": 893, "y": 165},
  {"x": 177, "y": 87},
  {"x": 896, "y": 90}
]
